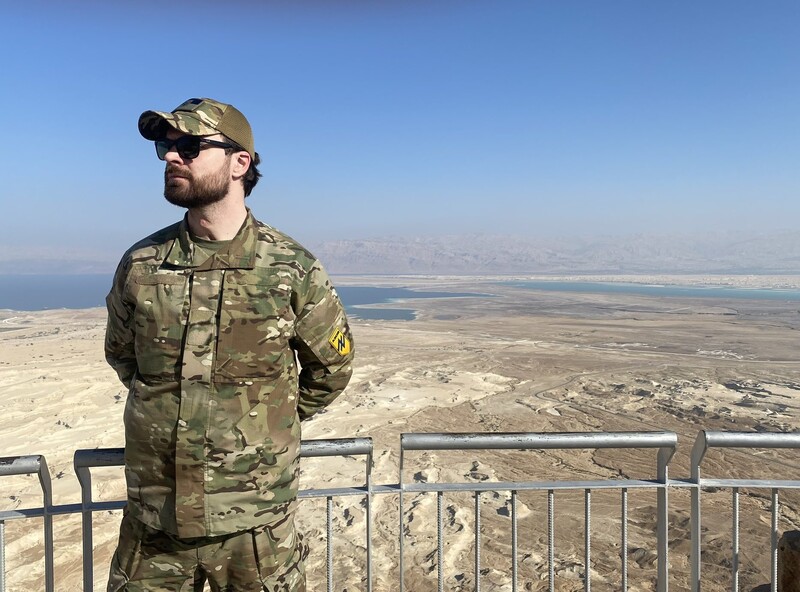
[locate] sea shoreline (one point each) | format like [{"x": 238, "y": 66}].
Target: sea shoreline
[
  {"x": 755, "y": 281},
  {"x": 71, "y": 292}
]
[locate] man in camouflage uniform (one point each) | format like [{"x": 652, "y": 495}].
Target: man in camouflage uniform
[{"x": 227, "y": 334}]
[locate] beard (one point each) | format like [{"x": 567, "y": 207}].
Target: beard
[{"x": 195, "y": 192}]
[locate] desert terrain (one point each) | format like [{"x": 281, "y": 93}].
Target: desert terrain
[{"x": 512, "y": 361}]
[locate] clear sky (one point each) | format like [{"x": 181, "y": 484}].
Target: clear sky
[{"x": 407, "y": 117}]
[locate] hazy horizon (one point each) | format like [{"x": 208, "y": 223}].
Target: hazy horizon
[
  {"x": 375, "y": 121},
  {"x": 738, "y": 253}
]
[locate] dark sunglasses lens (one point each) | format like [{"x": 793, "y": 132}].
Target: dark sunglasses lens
[
  {"x": 162, "y": 147},
  {"x": 185, "y": 146},
  {"x": 188, "y": 146}
]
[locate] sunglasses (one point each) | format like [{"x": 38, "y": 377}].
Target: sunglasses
[{"x": 188, "y": 147}]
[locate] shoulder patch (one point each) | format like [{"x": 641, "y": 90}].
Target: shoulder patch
[{"x": 340, "y": 342}]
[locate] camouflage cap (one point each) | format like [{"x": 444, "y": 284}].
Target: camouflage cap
[{"x": 199, "y": 117}]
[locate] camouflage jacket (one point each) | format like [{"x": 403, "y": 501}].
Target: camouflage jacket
[{"x": 209, "y": 349}]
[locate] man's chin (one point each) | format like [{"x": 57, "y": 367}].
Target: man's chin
[
  {"x": 178, "y": 198},
  {"x": 184, "y": 200}
]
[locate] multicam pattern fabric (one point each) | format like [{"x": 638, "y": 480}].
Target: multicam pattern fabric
[
  {"x": 209, "y": 349},
  {"x": 266, "y": 558},
  {"x": 199, "y": 117}
]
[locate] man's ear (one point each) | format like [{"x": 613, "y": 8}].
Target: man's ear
[{"x": 241, "y": 162}]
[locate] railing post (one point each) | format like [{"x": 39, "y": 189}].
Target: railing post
[
  {"x": 514, "y": 543},
  {"x": 2, "y": 556},
  {"x": 664, "y": 456},
  {"x": 551, "y": 541},
  {"x": 329, "y": 543},
  {"x": 624, "y": 512},
  {"x": 47, "y": 493},
  {"x": 369, "y": 517},
  {"x": 587, "y": 539},
  {"x": 82, "y": 461},
  {"x": 28, "y": 465},
  {"x": 477, "y": 541},
  {"x": 85, "y": 479},
  {"x": 735, "y": 539},
  {"x": 773, "y": 560},
  {"x": 698, "y": 452},
  {"x": 402, "y": 537}
]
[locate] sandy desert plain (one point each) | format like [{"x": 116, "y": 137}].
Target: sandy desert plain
[{"x": 515, "y": 361}]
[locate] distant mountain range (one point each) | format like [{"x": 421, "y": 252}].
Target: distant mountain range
[
  {"x": 775, "y": 253},
  {"x": 722, "y": 252}
]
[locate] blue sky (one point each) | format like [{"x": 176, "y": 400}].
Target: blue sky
[{"x": 408, "y": 117}]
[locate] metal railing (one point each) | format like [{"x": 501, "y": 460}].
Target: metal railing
[
  {"x": 29, "y": 465},
  {"x": 87, "y": 459},
  {"x": 707, "y": 440},
  {"x": 664, "y": 442}
]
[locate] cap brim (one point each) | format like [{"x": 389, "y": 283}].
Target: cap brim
[{"x": 154, "y": 125}]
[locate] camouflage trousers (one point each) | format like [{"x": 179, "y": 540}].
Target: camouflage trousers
[{"x": 265, "y": 559}]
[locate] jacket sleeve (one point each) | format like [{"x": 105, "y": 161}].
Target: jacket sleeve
[
  {"x": 323, "y": 342},
  {"x": 119, "y": 343}
]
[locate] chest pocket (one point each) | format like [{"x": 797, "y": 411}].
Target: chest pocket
[
  {"x": 256, "y": 322},
  {"x": 160, "y": 318}
]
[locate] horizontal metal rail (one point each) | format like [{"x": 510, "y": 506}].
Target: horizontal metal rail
[
  {"x": 537, "y": 441},
  {"x": 530, "y": 485},
  {"x": 708, "y": 439}
]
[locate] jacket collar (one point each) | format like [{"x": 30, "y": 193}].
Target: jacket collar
[{"x": 239, "y": 254}]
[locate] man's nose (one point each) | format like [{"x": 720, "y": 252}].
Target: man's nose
[{"x": 172, "y": 155}]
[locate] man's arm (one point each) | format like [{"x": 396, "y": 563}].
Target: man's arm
[
  {"x": 323, "y": 342},
  {"x": 119, "y": 344}
]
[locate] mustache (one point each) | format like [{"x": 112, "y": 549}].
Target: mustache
[{"x": 176, "y": 171}]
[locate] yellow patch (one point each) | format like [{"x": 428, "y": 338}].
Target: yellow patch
[{"x": 340, "y": 342}]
